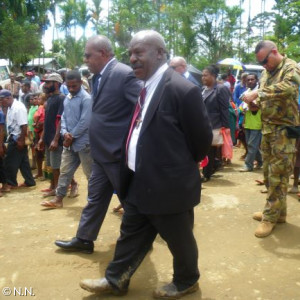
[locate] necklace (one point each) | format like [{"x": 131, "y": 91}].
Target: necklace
[
  {"x": 139, "y": 120},
  {"x": 141, "y": 105}
]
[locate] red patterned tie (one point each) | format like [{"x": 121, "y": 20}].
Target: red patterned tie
[{"x": 136, "y": 119}]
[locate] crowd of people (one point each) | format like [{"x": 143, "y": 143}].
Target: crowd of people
[{"x": 142, "y": 132}]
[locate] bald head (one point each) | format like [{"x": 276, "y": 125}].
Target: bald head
[
  {"x": 101, "y": 43},
  {"x": 149, "y": 37},
  {"x": 267, "y": 55},
  {"x": 178, "y": 63},
  {"x": 98, "y": 52},
  {"x": 147, "y": 51},
  {"x": 266, "y": 45}
]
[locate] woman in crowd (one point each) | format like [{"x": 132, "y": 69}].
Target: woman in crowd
[
  {"x": 33, "y": 101},
  {"x": 38, "y": 126},
  {"x": 216, "y": 98}
]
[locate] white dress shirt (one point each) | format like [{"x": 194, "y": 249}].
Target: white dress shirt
[
  {"x": 186, "y": 74},
  {"x": 102, "y": 71},
  {"x": 150, "y": 85},
  {"x": 16, "y": 117}
]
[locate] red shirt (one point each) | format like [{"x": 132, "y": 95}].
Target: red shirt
[{"x": 39, "y": 118}]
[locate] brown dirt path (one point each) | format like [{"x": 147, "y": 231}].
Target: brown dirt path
[{"x": 234, "y": 264}]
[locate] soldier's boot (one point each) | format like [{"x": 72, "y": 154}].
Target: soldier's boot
[
  {"x": 264, "y": 229},
  {"x": 258, "y": 216}
]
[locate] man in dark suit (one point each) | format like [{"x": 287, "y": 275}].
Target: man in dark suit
[
  {"x": 178, "y": 63},
  {"x": 115, "y": 91},
  {"x": 160, "y": 183}
]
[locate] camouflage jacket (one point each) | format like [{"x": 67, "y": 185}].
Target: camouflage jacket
[{"x": 278, "y": 96}]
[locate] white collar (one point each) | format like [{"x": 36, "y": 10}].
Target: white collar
[
  {"x": 101, "y": 73},
  {"x": 158, "y": 73}
]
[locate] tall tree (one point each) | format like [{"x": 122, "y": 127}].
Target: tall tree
[
  {"x": 21, "y": 26},
  {"x": 217, "y": 27},
  {"x": 68, "y": 9},
  {"x": 19, "y": 43},
  {"x": 95, "y": 16},
  {"x": 52, "y": 8},
  {"x": 68, "y": 21},
  {"x": 82, "y": 15}
]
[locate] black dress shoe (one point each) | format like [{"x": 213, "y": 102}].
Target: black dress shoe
[
  {"x": 76, "y": 245},
  {"x": 170, "y": 291}
]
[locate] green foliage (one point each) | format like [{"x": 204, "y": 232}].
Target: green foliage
[
  {"x": 287, "y": 27},
  {"x": 202, "y": 31},
  {"x": 19, "y": 43},
  {"x": 95, "y": 15},
  {"x": 69, "y": 52},
  {"x": 82, "y": 15},
  {"x": 68, "y": 9}
]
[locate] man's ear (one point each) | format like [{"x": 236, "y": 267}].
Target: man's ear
[{"x": 161, "y": 53}]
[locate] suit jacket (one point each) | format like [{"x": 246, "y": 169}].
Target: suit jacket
[
  {"x": 217, "y": 105},
  {"x": 192, "y": 79},
  {"x": 175, "y": 135},
  {"x": 111, "y": 111}
]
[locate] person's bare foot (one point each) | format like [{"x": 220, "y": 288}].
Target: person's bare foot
[
  {"x": 293, "y": 190},
  {"x": 5, "y": 188},
  {"x": 74, "y": 190},
  {"x": 49, "y": 194},
  {"x": 119, "y": 209}
]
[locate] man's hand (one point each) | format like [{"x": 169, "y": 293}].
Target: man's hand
[
  {"x": 68, "y": 140},
  {"x": 40, "y": 145},
  {"x": 249, "y": 97},
  {"x": 53, "y": 145}
]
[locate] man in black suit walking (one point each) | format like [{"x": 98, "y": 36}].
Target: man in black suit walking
[
  {"x": 160, "y": 182},
  {"x": 115, "y": 91}
]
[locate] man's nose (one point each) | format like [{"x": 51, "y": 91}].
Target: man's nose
[{"x": 132, "y": 58}]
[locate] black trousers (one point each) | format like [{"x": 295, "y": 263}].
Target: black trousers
[
  {"x": 213, "y": 162},
  {"x": 138, "y": 232},
  {"x": 104, "y": 180},
  {"x": 15, "y": 160},
  {"x": 2, "y": 172}
]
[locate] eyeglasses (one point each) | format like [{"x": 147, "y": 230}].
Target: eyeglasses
[
  {"x": 265, "y": 60},
  {"x": 173, "y": 67}
]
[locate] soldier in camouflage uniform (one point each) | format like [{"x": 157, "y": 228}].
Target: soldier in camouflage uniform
[{"x": 278, "y": 100}]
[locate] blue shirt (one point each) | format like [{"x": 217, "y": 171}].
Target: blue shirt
[
  {"x": 299, "y": 100},
  {"x": 37, "y": 80},
  {"x": 2, "y": 117},
  {"x": 76, "y": 119},
  {"x": 63, "y": 89},
  {"x": 238, "y": 91}
]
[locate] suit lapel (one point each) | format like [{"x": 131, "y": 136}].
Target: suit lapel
[
  {"x": 208, "y": 94},
  {"x": 156, "y": 98},
  {"x": 105, "y": 75}
]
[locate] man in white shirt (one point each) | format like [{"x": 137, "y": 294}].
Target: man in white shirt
[
  {"x": 160, "y": 183},
  {"x": 17, "y": 153}
]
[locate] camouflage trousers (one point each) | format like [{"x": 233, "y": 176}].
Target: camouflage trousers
[{"x": 278, "y": 153}]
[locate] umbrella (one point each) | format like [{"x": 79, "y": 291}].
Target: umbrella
[
  {"x": 195, "y": 72},
  {"x": 231, "y": 62}
]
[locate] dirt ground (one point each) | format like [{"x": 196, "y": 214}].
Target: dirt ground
[{"x": 234, "y": 264}]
